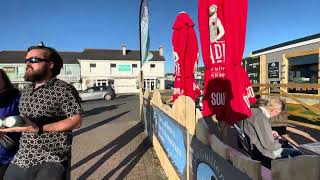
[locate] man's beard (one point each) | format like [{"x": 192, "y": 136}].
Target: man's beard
[{"x": 34, "y": 76}]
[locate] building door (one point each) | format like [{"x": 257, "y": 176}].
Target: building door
[{"x": 149, "y": 84}]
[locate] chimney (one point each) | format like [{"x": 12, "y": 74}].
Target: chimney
[
  {"x": 124, "y": 49},
  {"x": 161, "y": 50}
]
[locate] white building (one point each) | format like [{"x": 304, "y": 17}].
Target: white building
[
  {"x": 12, "y": 62},
  {"x": 100, "y": 66}
]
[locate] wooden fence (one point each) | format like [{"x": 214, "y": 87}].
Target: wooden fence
[
  {"x": 187, "y": 150},
  {"x": 282, "y": 90}
]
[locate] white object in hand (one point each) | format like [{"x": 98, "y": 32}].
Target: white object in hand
[
  {"x": 13, "y": 121},
  {"x": 1, "y": 123}
]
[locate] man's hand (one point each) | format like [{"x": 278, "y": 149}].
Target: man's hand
[
  {"x": 276, "y": 135},
  {"x": 28, "y": 127}
]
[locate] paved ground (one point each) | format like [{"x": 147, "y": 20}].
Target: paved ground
[{"x": 111, "y": 143}]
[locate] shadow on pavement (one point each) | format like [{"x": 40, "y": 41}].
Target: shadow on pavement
[
  {"x": 130, "y": 161},
  {"x": 124, "y": 96},
  {"x": 93, "y": 126},
  {"x": 111, "y": 148},
  {"x": 99, "y": 110}
]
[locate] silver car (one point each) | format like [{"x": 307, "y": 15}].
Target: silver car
[{"x": 97, "y": 92}]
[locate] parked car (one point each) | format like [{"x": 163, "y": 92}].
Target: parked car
[{"x": 97, "y": 92}]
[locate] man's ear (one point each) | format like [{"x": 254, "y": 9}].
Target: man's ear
[{"x": 51, "y": 65}]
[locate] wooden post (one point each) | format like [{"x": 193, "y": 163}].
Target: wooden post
[
  {"x": 284, "y": 72},
  {"x": 319, "y": 70},
  {"x": 190, "y": 118},
  {"x": 263, "y": 70}
]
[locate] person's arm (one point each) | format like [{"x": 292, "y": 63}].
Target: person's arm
[
  {"x": 70, "y": 106},
  {"x": 70, "y": 123}
]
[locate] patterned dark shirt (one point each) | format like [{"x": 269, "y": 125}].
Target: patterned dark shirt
[{"x": 54, "y": 101}]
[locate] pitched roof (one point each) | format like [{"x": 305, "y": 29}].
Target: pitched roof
[
  {"x": 72, "y": 57},
  {"x": 19, "y": 56},
  {"x": 108, "y": 54},
  {"x": 12, "y": 56},
  {"x": 307, "y": 38}
]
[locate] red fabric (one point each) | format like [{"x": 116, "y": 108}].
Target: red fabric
[
  {"x": 226, "y": 82},
  {"x": 213, "y": 54},
  {"x": 235, "y": 24},
  {"x": 185, "y": 47}
]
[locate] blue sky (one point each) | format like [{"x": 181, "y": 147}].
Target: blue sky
[{"x": 72, "y": 25}]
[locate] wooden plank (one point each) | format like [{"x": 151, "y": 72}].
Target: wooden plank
[
  {"x": 245, "y": 164},
  {"x": 176, "y": 112},
  {"x": 311, "y": 108},
  {"x": 164, "y": 161},
  {"x": 260, "y": 92},
  {"x": 319, "y": 70},
  {"x": 284, "y": 72},
  {"x": 296, "y": 168},
  {"x": 290, "y": 85},
  {"x": 305, "y": 96},
  {"x": 202, "y": 130},
  {"x": 304, "y": 124},
  {"x": 263, "y": 70},
  {"x": 190, "y": 116},
  {"x": 179, "y": 109},
  {"x": 190, "y": 121},
  {"x": 301, "y": 53}
]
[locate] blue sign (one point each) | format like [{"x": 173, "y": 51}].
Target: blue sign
[
  {"x": 172, "y": 137},
  {"x": 204, "y": 172}
]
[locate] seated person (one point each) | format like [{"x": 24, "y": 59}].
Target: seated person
[
  {"x": 264, "y": 142},
  {"x": 279, "y": 124}
]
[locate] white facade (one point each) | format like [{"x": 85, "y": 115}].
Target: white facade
[
  {"x": 124, "y": 73},
  {"x": 153, "y": 75}
]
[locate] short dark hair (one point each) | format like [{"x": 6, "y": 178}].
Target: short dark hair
[
  {"x": 52, "y": 55},
  {"x": 7, "y": 90}
]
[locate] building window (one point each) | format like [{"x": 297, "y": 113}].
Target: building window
[
  {"x": 11, "y": 72},
  {"x": 68, "y": 70},
  {"x": 152, "y": 68},
  {"x": 134, "y": 69},
  {"x": 113, "y": 69},
  {"x": 92, "y": 68},
  {"x": 303, "y": 69},
  {"x": 100, "y": 82}
]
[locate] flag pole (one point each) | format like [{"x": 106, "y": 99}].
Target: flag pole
[{"x": 141, "y": 84}]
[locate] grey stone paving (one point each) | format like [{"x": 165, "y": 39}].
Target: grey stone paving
[{"x": 111, "y": 143}]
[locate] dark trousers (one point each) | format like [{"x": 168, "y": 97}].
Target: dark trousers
[
  {"x": 287, "y": 152},
  {"x": 46, "y": 170},
  {"x": 3, "y": 169}
]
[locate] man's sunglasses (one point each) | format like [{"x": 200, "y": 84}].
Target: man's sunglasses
[{"x": 36, "y": 60}]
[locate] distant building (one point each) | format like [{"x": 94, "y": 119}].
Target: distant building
[
  {"x": 199, "y": 77},
  {"x": 295, "y": 61},
  {"x": 13, "y": 63},
  {"x": 169, "y": 80},
  {"x": 122, "y": 67},
  {"x": 95, "y": 67}
]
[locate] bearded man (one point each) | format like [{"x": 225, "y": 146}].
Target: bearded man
[{"x": 51, "y": 110}]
